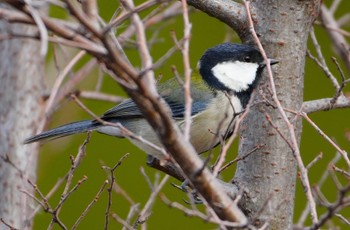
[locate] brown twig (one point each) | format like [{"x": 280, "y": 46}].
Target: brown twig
[
  {"x": 338, "y": 39},
  {"x": 125, "y": 224},
  {"x": 146, "y": 209},
  {"x": 8, "y": 225},
  {"x": 110, "y": 188},
  {"x": 83, "y": 214},
  {"x": 324, "y": 135},
  {"x": 134, "y": 209},
  {"x": 339, "y": 92},
  {"x": 314, "y": 161},
  {"x": 187, "y": 67},
  {"x": 320, "y": 183},
  {"x": 66, "y": 192},
  {"x": 196, "y": 213},
  {"x": 345, "y": 173},
  {"x": 100, "y": 96},
  {"x": 59, "y": 80},
  {"x": 146, "y": 59},
  {"x": 239, "y": 158},
  {"x": 321, "y": 61},
  {"x": 341, "y": 202},
  {"x": 126, "y": 15},
  {"x": 41, "y": 26}
]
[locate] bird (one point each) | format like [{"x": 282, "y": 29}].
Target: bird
[{"x": 221, "y": 88}]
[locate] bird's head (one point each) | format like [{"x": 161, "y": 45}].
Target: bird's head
[{"x": 232, "y": 67}]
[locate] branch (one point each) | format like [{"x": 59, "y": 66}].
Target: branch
[
  {"x": 325, "y": 104},
  {"x": 338, "y": 39},
  {"x": 227, "y": 11}
]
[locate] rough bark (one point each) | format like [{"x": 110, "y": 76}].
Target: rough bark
[
  {"x": 21, "y": 90},
  {"x": 269, "y": 174}
]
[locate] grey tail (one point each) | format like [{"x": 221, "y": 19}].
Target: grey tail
[{"x": 64, "y": 130}]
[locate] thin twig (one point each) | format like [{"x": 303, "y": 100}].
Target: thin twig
[
  {"x": 187, "y": 67},
  {"x": 125, "y": 224},
  {"x": 341, "y": 151},
  {"x": 323, "y": 63},
  {"x": 238, "y": 158},
  {"x": 339, "y": 92},
  {"x": 314, "y": 161},
  {"x": 196, "y": 213},
  {"x": 83, "y": 214},
  {"x": 110, "y": 188},
  {"x": 100, "y": 96},
  {"x": 59, "y": 80},
  {"x": 75, "y": 163},
  {"x": 134, "y": 209},
  {"x": 345, "y": 173},
  {"x": 8, "y": 225},
  {"x": 346, "y": 221},
  {"x": 323, "y": 178},
  {"x": 126, "y": 15},
  {"x": 41, "y": 26},
  {"x": 146, "y": 209},
  {"x": 146, "y": 59}
]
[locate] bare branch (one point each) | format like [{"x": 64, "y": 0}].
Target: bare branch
[
  {"x": 325, "y": 104},
  {"x": 83, "y": 214},
  {"x": 341, "y": 151},
  {"x": 42, "y": 29},
  {"x": 338, "y": 39},
  {"x": 59, "y": 80},
  {"x": 100, "y": 96},
  {"x": 187, "y": 67},
  {"x": 229, "y": 12},
  {"x": 146, "y": 209}
]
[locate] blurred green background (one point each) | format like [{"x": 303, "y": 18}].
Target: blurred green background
[{"x": 206, "y": 32}]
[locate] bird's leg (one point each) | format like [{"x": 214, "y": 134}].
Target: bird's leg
[
  {"x": 165, "y": 166},
  {"x": 170, "y": 168}
]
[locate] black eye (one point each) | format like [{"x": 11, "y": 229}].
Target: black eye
[{"x": 247, "y": 59}]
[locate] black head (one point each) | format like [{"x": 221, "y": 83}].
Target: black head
[{"x": 231, "y": 67}]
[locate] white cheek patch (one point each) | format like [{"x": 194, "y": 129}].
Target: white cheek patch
[{"x": 235, "y": 75}]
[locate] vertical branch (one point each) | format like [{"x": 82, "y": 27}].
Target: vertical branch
[
  {"x": 21, "y": 109},
  {"x": 90, "y": 9},
  {"x": 147, "y": 72},
  {"x": 293, "y": 137},
  {"x": 338, "y": 40},
  {"x": 59, "y": 80},
  {"x": 186, "y": 60},
  {"x": 42, "y": 29}
]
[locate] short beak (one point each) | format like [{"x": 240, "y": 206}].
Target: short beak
[{"x": 272, "y": 62}]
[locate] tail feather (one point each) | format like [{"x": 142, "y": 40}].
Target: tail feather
[{"x": 64, "y": 130}]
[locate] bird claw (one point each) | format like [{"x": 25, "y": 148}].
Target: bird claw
[{"x": 184, "y": 187}]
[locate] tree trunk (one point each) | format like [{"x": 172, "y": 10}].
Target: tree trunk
[
  {"x": 21, "y": 91},
  {"x": 269, "y": 174}
]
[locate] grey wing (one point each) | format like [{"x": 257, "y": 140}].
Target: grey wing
[
  {"x": 128, "y": 108},
  {"x": 178, "y": 109}
]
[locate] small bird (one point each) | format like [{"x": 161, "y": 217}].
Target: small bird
[{"x": 221, "y": 89}]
